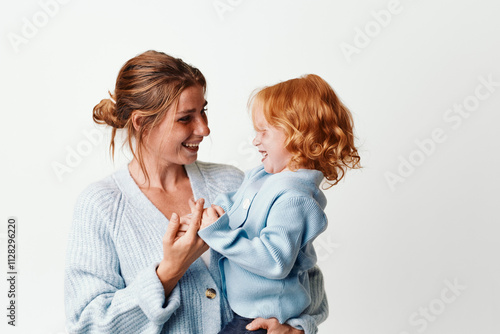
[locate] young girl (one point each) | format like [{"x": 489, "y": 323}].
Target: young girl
[{"x": 265, "y": 229}]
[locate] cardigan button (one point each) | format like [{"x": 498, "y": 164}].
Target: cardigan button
[
  {"x": 246, "y": 204},
  {"x": 210, "y": 293}
]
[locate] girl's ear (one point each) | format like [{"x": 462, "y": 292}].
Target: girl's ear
[{"x": 136, "y": 120}]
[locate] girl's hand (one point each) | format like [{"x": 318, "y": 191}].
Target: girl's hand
[
  {"x": 179, "y": 252},
  {"x": 210, "y": 215},
  {"x": 273, "y": 326}
]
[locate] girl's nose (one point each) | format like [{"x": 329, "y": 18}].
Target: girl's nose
[{"x": 255, "y": 141}]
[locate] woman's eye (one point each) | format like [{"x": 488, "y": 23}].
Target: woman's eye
[
  {"x": 204, "y": 111},
  {"x": 184, "y": 119}
]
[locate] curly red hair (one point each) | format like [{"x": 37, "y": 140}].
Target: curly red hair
[{"x": 318, "y": 127}]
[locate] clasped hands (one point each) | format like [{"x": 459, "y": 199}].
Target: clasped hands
[
  {"x": 181, "y": 243},
  {"x": 199, "y": 216},
  {"x": 182, "y": 246}
]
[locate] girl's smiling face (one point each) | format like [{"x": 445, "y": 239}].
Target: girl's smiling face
[{"x": 270, "y": 142}]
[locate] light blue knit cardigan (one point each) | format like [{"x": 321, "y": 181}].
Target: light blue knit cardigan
[
  {"x": 266, "y": 239},
  {"x": 114, "y": 247}
]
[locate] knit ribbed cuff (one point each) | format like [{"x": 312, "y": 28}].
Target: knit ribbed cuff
[
  {"x": 305, "y": 322},
  {"x": 222, "y": 224},
  {"x": 151, "y": 296}
]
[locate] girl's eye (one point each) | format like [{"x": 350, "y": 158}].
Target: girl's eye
[{"x": 204, "y": 111}]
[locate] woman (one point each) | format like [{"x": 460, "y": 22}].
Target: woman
[{"x": 129, "y": 269}]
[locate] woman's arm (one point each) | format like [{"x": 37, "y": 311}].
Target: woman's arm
[
  {"x": 96, "y": 296},
  {"x": 318, "y": 310},
  {"x": 179, "y": 252}
]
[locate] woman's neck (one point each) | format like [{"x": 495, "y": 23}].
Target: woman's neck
[{"x": 160, "y": 176}]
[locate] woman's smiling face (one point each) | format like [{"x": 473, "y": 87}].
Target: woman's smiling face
[
  {"x": 176, "y": 138},
  {"x": 270, "y": 142}
]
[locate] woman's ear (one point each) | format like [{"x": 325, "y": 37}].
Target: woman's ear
[{"x": 136, "y": 120}]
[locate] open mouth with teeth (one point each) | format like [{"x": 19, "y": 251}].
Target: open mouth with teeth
[
  {"x": 191, "y": 146},
  {"x": 264, "y": 155}
]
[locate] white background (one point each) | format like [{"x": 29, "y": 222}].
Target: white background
[{"x": 390, "y": 248}]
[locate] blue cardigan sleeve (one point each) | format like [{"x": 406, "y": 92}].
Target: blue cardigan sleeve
[
  {"x": 96, "y": 297},
  {"x": 285, "y": 221},
  {"x": 291, "y": 223}
]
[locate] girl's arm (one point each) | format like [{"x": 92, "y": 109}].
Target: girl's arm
[
  {"x": 291, "y": 222},
  {"x": 284, "y": 215}
]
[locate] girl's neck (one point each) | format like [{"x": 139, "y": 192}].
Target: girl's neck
[{"x": 165, "y": 177}]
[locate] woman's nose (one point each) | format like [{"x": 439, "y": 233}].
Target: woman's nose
[
  {"x": 255, "y": 141},
  {"x": 202, "y": 128}
]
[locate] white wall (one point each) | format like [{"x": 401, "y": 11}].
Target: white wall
[{"x": 400, "y": 232}]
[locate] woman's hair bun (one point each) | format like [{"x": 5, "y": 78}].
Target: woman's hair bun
[{"x": 105, "y": 112}]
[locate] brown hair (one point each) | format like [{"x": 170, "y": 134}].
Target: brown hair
[
  {"x": 148, "y": 84},
  {"x": 318, "y": 127}
]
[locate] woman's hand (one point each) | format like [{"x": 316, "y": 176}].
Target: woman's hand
[
  {"x": 273, "y": 326},
  {"x": 184, "y": 225},
  {"x": 180, "y": 251}
]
